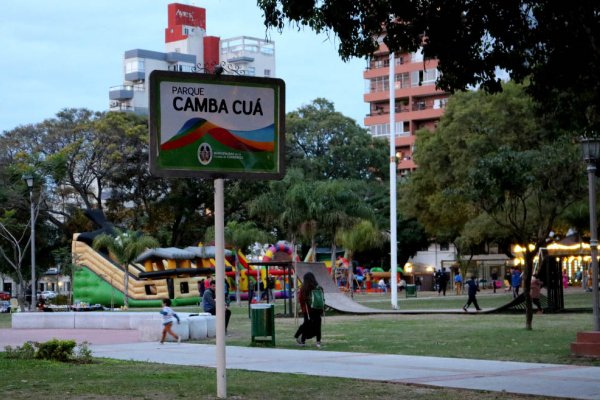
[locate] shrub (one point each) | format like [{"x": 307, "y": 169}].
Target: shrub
[
  {"x": 25, "y": 352},
  {"x": 57, "y": 350}
]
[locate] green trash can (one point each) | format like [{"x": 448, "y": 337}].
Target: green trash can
[
  {"x": 411, "y": 290},
  {"x": 263, "y": 323}
]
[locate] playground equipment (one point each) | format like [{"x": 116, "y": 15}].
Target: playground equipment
[{"x": 157, "y": 274}]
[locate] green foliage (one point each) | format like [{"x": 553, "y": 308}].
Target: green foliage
[
  {"x": 472, "y": 40},
  {"x": 125, "y": 245},
  {"x": 58, "y": 350},
  {"x": 241, "y": 234},
  {"x": 54, "y": 350},
  {"x": 491, "y": 155},
  {"x": 25, "y": 352},
  {"x": 359, "y": 237},
  {"x": 325, "y": 144}
]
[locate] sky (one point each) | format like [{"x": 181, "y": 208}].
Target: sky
[{"x": 68, "y": 53}]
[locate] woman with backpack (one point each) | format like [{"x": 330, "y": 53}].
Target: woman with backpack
[{"x": 308, "y": 296}]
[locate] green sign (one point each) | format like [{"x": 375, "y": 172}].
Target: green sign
[{"x": 216, "y": 126}]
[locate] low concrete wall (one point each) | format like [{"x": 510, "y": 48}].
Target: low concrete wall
[{"x": 148, "y": 324}]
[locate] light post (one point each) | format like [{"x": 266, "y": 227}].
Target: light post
[
  {"x": 29, "y": 180},
  {"x": 590, "y": 150}
]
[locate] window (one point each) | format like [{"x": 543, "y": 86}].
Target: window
[
  {"x": 150, "y": 289},
  {"x": 430, "y": 75},
  {"x": 267, "y": 72},
  {"x": 384, "y": 129},
  {"x": 184, "y": 287},
  {"x": 379, "y": 84},
  {"x": 134, "y": 65},
  {"x": 444, "y": 246},
  {"x": 402, "y": 80}
]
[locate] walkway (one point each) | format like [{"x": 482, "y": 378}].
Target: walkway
[{"x": 566, "y": 381}]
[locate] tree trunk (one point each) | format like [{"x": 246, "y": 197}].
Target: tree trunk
[{"x": 527, "y": 289}]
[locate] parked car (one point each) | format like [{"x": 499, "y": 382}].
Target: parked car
[
  {"x": 4, "y": 296},
  {"x": 4, "y": 306},
  {"x": 48, "y": 294}
]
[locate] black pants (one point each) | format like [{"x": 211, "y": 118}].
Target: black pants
[
  {"x": 442, "y": 288},
  {"x": 311, "y": 327},
  {"x": 537, "y": 303},
  {"x": 473, "y": 300},
  {"x": 227, "y": 316}
]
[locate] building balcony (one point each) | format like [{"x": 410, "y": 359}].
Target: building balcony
[
  {"x": 124, "y": 92},
  {"x": 417, "y": 113},
  {"x": 120, "y": 93}
]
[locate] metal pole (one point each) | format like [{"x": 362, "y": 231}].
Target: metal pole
[
  {"x": 591, "y": 169},
  {"x": 220, "y": 287},
  {"x": 393, "y": 171},
  {"x": 33, "y": 280}
]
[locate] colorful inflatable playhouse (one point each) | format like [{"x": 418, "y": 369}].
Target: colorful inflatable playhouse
[{"x": 156, "y": 274}]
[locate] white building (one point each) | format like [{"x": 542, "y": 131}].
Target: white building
[
  {"x": 250, "y": 56},
  {"x": 188, "y": 49}
]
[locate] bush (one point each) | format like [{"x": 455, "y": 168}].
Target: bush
[
  {"x": 26, "y": 352},
  {"x": 56, "y": 350},
  {"x": 59, "y": 350}
]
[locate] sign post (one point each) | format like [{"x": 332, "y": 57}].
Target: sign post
[{"x": 217, "y": 126}]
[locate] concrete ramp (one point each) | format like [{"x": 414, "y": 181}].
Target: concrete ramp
[{"x": 333, "y": 297}]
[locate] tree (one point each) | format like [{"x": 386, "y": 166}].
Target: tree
[
  {"x": 359, "y": 237},
  {"x": 472, "y": 40},
  {"x": 325, "y": 144},
  {"x": 492, "y": 166},
  {"x": 125, "y": 247},
  {"x": 14, "y": 242}
]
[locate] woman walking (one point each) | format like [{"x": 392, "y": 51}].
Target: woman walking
[{"x": 311, "y": 327}]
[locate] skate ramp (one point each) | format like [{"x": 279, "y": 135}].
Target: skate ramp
[{"x": 333, "y": 297}]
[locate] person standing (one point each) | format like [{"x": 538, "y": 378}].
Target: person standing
[
  {"x": 458, "y": 282},
  {"x": 443, "y": 281},
  {"x": 508, "y": 279},
  {"x": 472, "y": 289},
  {"x": 536, "y": 287},
  {"x": 168, "y": 317},
  {"x": 494, "y": 277},
  {"x": 515, "y": 282},
  {"x": 311, "y": 327},
  {"x": 210, "y": 306}
]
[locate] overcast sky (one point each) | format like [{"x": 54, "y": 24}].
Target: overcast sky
[{"x": 68, "y": 53}]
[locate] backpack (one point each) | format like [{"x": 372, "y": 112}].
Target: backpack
[{"x": 317, "y": 299}]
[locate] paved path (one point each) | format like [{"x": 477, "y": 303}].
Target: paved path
[{"x": 566, "y": 381}]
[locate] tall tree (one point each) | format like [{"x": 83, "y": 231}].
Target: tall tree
[{"x": 492, "y": 156}]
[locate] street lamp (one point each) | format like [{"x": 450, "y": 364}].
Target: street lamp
[
  {"x": 590, "y": 151},
  {"x": 29, "y": 180}
]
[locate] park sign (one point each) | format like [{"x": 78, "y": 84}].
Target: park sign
[{"x": 216, "y": 126}]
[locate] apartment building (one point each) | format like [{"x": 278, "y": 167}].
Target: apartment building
[
  {"x": 188, "y": 49},
  {"x": 418, "y": 104}
]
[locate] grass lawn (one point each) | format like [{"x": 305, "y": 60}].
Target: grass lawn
[
  {"x": 481, "y": 336},
  {"x": 110, "y": 379}
]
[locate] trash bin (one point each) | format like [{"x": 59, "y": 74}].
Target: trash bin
[
  {"x": 411, "y": 290},
  {"x": 263, "y": 323}
]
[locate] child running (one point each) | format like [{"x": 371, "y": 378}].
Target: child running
[{"x": 168, "y": 315}]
